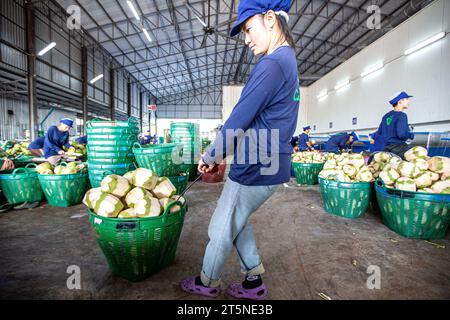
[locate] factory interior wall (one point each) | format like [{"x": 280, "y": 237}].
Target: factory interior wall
[
  {"x": 424, "y": 74},
  {"x": 207, "y": 126}
]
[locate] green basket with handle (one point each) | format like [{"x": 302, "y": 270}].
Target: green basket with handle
[
  {"x": 64, "y": 190},
  {"x": 21, "y": 185},
  {"x": 345, "y": 199},
  {"x": 132, "y": 122},
  {"x": 138, "y": 248},
  {"x": 307, "y": 173},
  {"x": 180, "y": 182},
  {"x": 163, "y": 159},
  {"x": 414, "y": 215}
]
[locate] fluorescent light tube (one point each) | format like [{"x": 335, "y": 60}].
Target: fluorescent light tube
[
  {"x": 372, "y": 70},
  {"x": 322, "y": 96},
  {"x": 425, "y": 43},
  {"x": 342, "y": 85},
  {"x": 46, "y": 49},
  {"x": 96, "y": 78},
  {"x": 147, "y": 35},
  {"x": 133, "y": 9}
]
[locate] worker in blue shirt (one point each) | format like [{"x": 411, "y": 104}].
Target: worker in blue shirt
[
  {"x": 340, "y": 141},
  {"x": 394, "y": 129},
  {"x": 37, "y": 147},
  {"x": 82, "y": 140},
  {"x": 258, "y": 132},
  {"x": 304, "y": 144},
  {"x": 56, "y": 138}
]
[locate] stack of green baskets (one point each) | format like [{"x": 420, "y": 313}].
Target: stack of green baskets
[
  {"x": 21, "y": 185},
  {"x": 307, "y": 173},
  {"x": 188, "y": 135},
  {"x": 414, "y": 214},
  {"x": 64, "y": 190},
  {"x": 109, "y": 148},
  {"x": 164, "y": 159},
  {"x": 138, "y": 248},
  {"x": 345, "y": 199}
]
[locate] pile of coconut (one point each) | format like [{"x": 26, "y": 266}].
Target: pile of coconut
[
  {"x": 346, "y": 167},
  {"x": 309, "y": 157},
  {"x": 419, "y": 173}
]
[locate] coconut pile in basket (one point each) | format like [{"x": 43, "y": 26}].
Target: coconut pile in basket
[
  {"x": 346, "y": 167},
  {"x": 70, "y": 168},
  {"x": 137, "y": 194},
  {"x": 309, "y": 157},
  {"x": 418, "y": 173}
]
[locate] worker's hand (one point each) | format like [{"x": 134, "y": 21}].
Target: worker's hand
[
  {"x": 371, "y": 141},
  {"x": 61, "y": 152},
  {"x": 7, "y": 165},
  {"x": 204, "y": 168}
]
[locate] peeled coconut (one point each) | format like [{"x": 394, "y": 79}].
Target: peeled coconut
[
  {"x": 389, "y": 176},
  {"x": 58, "y": 169},
  {"x": 439, "y": 165},
  {"x": 408, "y": 169},
  {"x": 394, "y": 162},
  {"x": 129, "y": 176},
  {"x": 350, "y": 170},
  {"x": 382, "y": 157},
  {"x": 364, "y": 175},
  {"x": 441, "y": 187},
  {"x": 148, "y": 207},
  {"x": 91, "y": 197},
  {"x": 423, "y": 181},
  {"x": 108, "y": 205},
  {"x": 422, "y": 164},
  {"x": 164, "y": 188},
  {"x": 406, "y": 184},
  {"x": 127, "y": 214},
  {"x": 145, "y": 178},
  {"x": 416, "y": 153},
  {"x": 357, "y": 160},
  {"x": 116, "y": 185},
  {"x": 434, "y": 176},
  {"x": 324, "y": 174},
  {"x": 135, "y": 195}
]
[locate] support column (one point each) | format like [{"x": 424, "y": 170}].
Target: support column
[
  {"x": 31, "y": 69},
  {"x": 84, "y": 86},
  {"x": 112, "y": 90},
  {"x": 129, "y": 97},
  {"x": 141, "y": 102}
]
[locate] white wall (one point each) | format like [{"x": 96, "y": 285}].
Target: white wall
[{"x": 424, "y": 74}]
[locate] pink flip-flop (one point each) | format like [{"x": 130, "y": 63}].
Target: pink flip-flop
[
  {"x": 189, "y": 286},
  {"x": 236, "y": 290}
]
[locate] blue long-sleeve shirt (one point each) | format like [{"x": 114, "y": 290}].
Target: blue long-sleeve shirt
[
  {"x": 394, "y": 128},
  {"x": 269, "y": 101},
  {"x": 54, "y": 141},
  {"x": 303, "y": 139},
  {"x": 37, "y": 144},
  {"x": 337, "y": 143}
]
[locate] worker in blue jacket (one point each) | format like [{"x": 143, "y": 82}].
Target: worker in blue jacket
[
  {"x": 56, "y": 138},
  {"x": 394, "y": 129},
  {"x": 258, "y": 133},
  {"x": 304, "y": 144},
  {"x": 340, "y": 141},
  {"x": 37, "y": 147}
]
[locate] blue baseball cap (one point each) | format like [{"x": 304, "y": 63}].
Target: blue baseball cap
[
  {"x": 306, "y": 128},
  {"x": 67, "y": 121},
  {"x": 355, "y": 136},
  {"x": 399, "y": 96},
  {"x": 250, "y": 8}
]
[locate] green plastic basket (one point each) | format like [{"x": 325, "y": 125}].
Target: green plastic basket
[
  {"x": 21, "y": 185},
  {"x": 122, "y": 150},
  {"x": 138, "y": 248},
  {"x": 127, "y": 142},
  {"x": 345, "y": 199},
  {"x": 64, "y": 190},
  {"x": 162, "y": 159},
  {"x": 96, "y": 176},
  {"x": 307, "y": 173},
  {"x": 414, "y": 214}
]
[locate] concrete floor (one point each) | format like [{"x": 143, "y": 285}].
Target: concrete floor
[{"x": 305, "y": 252}]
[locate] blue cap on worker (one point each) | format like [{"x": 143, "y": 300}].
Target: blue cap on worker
[
  {"x": 306, "y": 128},
  {"x": 67, "y": 121},
  {"x": 399, "y": 96},
  {"x": 250, "y": 8},
  {"x": 355, "y": 136}
]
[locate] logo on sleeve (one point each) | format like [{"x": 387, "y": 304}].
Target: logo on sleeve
[
  {"x": 297, "y": 95},
  {"x": 389, "y": 120}
]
